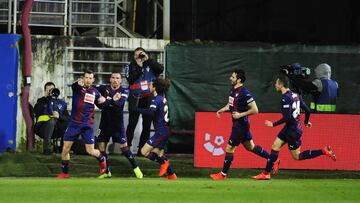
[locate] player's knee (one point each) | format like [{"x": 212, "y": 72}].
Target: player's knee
[
  {"x": 66, "y": 149},
  {"x": 275, "y": 147},
  {"x": 250, "y": 148},
  {"x": 230, "y": 149},
  {"x": 124, "y": 148},
  {"x": 144, "y": 152}
]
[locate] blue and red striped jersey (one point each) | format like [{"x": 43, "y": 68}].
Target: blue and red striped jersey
[
  {"x": 83, "y": 103},
  {"x": 160, "y": 107},
  {"x": 239, "y": 99},
  {"x": 112, "y": 117}
]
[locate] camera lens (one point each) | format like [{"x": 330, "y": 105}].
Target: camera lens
[{"x": 55, "y": 92}]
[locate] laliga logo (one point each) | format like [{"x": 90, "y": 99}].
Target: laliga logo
[{"x": 215, "y": 150}]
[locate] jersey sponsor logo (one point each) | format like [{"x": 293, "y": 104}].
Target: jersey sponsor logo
[
  {"x": 89, "y": 98},
  {"x": 286, "y": 106},
  {"x": 214, "y": 146},
  {"x": 153, "y": 106},
  {"x": 231, "y": 101},
  {"x": 144, "y": 85}
]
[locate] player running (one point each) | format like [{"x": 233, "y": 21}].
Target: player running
[
  {"x": 154, "y": 147},
  {"x": 292, "y": 131},
  {"x": 242, "y": 104}
]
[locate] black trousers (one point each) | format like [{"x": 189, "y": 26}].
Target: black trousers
[
  {"x": 48, "y": 130},
  {"x": 134, "y": 103}
]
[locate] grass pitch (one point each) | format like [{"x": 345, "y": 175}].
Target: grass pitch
[
  {"x": 88, "y": 190},
  {"x": 27, "y": 177}
]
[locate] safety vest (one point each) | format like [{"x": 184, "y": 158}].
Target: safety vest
[
  {"x": 327, "y": 99},
  {"x": 43, "y": 118}
]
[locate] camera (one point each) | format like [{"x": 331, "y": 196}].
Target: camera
[
  {"x": 54, "y": 92},
  {"x": 298, "y": 76},
  {"x": 142, "y": 55},
  {"x": 296, "y": 70}
]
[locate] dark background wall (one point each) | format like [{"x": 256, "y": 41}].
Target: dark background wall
[
  {"x": 284, "y": 21},
  {"x": 200, "y": 75}
]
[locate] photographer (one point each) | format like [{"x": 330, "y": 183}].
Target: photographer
[
  {"x": 323, "y": 90},
  {"x": 141, "y": 72},
  {"x": 51, "y": 116}
]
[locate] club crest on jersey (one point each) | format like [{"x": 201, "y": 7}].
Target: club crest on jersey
[{"x": 89, "y": 98}]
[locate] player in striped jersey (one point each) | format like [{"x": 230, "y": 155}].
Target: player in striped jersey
[
  {"x": 112, "y": 122},
  {"x": 291, "y": 133},
  {"x": 154, "y": 147},
  {"x": 84, "y": 98}
]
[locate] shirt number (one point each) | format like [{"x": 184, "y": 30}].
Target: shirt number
[{"x": 296, "y": 109}]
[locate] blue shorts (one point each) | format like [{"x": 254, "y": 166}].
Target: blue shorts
[
  {"x": 75, "y": 129},
  {"x": 239, "y": 134},
  {"x": 159, "y": 139},
  {"x": 117, "y": 136},
  {"x": 291, "y": 137}
]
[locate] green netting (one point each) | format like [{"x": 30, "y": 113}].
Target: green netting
[{"x": 200, "y": 74}]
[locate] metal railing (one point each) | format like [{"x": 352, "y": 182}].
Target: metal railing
[
  {"x": 45, "y": 13},
  {"x": 102, "y": 61},
  {"x": 5, "y": 13},
  {"x": 108, "y": 17}
]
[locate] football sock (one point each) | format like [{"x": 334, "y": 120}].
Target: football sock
[
  {"x": 170, "y": 170},
  {"x": 154, "y": 157},
  {"x": 227, "y": 162},
  {"x": 309, "y": 154},
  {"x": 270, "y": 161},
  {"x": 107, "y": 161},
  {"x": 65, "y": 166},
  {"x": 101, "y": 158},
  {"x": 258, "y": 150},
  {"x": 128, "y": 154}
]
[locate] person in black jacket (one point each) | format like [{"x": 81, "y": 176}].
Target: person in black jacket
[
  {"x": 51, "y": 116},
  {"x": 141, "y": 71}
]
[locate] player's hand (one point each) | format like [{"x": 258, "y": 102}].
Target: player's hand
[
  {"x": 218, "y": 114},
  {"x": 80, "y": 82},
  {"x": 144, "y": 55},
  {"x": 101, "y": 100},
  {"x": 55, "y": 114},
  {"x": 268, "y": 123},
  {"x": 117, "y": 96},
  {"x": 308, "y": 124},
  {"x": 286, "y": 71},
  {"x": 236, "y": 115}
]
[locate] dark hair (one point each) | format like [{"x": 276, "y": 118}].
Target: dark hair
[
  {"x": 49, "y": 84},
  {"x": 161, "y": 85},
  {"x": 139, "y": 49},
  {"x": 116, "y": 72},
  {"x": 240, "y": 74},
  {"x": 284, "y": 80},
  {"x": 88, "y": 71}
]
